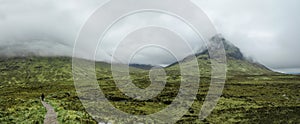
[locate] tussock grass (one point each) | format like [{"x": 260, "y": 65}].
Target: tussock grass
[{"x": 252, "y": 94}]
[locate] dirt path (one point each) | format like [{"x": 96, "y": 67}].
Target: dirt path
[{"x": 51, "y": 117}]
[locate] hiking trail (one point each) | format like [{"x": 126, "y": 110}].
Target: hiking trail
[{"x": 51, "y": 116}]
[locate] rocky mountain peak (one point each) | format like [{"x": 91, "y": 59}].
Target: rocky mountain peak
[{"x": 231, "y": 50}]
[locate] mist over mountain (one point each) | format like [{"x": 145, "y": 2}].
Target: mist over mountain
[
  {"x": 230, "y": 49},
  {"x": 237, "y": 63},
  {"x": 49, "y": 28},
  {"x": 232, "y": 53}
]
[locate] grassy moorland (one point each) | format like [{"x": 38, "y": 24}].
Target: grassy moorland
[{"x": 252, "y": 93}]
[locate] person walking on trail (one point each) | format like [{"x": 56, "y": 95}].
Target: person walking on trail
[{"x": 42, "y": 96}]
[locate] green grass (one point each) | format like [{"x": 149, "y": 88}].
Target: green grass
[{"x": 252, "y": 94}]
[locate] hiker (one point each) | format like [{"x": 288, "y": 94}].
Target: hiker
[{"x": 42, "y": 96}]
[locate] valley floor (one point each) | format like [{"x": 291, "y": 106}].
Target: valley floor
[
  {"x": 251, "y": 94},
  {"x": 245, "y": 99}
]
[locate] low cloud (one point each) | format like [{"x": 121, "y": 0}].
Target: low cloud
[
  {"x": 266, "y": 31},
  {"x": 42, "y": 27}
]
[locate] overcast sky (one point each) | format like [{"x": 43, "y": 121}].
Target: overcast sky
[{"x": 265, "y": 30}]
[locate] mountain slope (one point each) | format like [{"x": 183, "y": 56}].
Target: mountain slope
[
  {"x": 237, "y": 64},
  {"x": 250, "y": 94}
]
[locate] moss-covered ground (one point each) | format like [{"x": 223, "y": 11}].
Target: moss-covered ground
[{"x": 252, "y": 94}]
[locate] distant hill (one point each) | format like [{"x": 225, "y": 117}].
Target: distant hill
[
  {"x": 142, "y": 66},
  {"x": 295, "y": 73}
]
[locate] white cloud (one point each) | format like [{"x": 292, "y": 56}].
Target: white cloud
[
  {"x": 268, "y": 30},
  {"x": 265, "y": 30}
]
